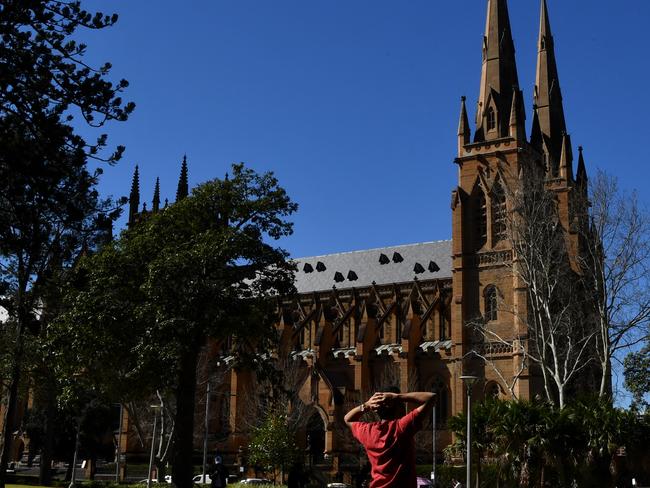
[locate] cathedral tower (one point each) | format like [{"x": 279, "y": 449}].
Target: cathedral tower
[{"x": 490, "y": 165}]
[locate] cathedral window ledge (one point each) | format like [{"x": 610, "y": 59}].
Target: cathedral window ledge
[
  {"x": 303, "y": 355},
  {"x": 344, "y": 352},
  {"x": 388, "y": 349},
  {"x": 431, "y": 347}
]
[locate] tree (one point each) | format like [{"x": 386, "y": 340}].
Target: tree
[
  {"x": 273, "y": 446},
  {"x": 201, "y": 268},
  {"x": 637, "y": 377},
  {"x": 557, "y": 335},
  {"x": 536, "y": 443},
  {"x": 47, "y": 195},
  {"x": 44, "y": 74},
  {"x": 616, "y": 266},
  {"x": 49, "y": 210}
]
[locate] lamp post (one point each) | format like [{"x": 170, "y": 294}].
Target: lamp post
[
  {"x": 153, "y": 441},
  {"x": 73, "y": 478},
  {"x": 469, "y": 381},
  {"x": 118, "y": 451},
  {"x": 205, "y": 431},
  {"x": 433, "y": 448}
]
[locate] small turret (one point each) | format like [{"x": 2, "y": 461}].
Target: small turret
[
  {"x": 517, "y": 117},
  {"x": 156, "y": 197},
  {"x": 566, "y": 159},
  {"x": 183, "y": 189},
  {"x": 464, "y": 133},
  {"x": 581, "y": 173},
  {"x": 134, "y": 196}
]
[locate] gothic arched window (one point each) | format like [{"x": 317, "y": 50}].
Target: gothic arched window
[
  {"x": 490, "y": 296},
  {"x": 491, "y": 119},
  {"x": 481, "y": 217},
  {"x": 499, "y": 216},
  {"x": 492, "y": 390}
]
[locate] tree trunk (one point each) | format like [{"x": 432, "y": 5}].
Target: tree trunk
[
  {"x": 45, "y": 470},
  {"x": 12, "y": 405},
  {"x": 183, "y": 446}
]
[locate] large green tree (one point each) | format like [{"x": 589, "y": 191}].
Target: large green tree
[
  {"x": 47, "y": 196},
  {"x": 44, "y": 73},
  {"x": 49, "y": 210},
  {"x": 637, "y": 377},
  {"x": 205, "y": 267}
]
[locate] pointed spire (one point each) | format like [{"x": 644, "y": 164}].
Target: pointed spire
[
  {"x": 498, "y": 76},
  {"x": 548, "y": 96},
  {"x": 183, "y": 190},
  {"x": 464, "y": 133},
  {"x": 581, "y": 173},
  {"x": 536, "y": 137},
  {"x": 134, "y": 197},
  {"x": 156, "y": 197},
  {"x": 566, "y": 159},
  {"x": 517, "y": 117}
]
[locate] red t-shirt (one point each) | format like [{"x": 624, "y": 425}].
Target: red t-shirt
[{"x": 390, "y": 446}]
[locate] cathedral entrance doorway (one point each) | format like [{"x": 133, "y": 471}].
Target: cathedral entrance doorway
[{"x": 315, "y": 439}]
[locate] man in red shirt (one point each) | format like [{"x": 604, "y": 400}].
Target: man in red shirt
[{"x": 390, "y": 443}]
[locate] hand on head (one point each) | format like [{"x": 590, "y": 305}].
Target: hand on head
[{"x": 380, "y": 399}]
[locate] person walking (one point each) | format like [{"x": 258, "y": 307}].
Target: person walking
[
  {"x": 219, "y": 475},
  {"x": 390, "y": 442}
]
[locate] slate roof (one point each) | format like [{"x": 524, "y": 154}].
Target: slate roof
[{"x": 395, "y": 264}]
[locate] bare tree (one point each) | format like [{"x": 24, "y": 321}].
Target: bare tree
[
  {"x": 494, "y": 346},
  {"x": 616, "y": 267},
  {"x": 557, "y": 336},
  {"x": 560, "y": 334}
]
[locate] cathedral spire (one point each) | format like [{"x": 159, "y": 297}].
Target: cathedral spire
[
  {"x": 134, "y": 196},
  {"x": 548, "y": 96},
  {"x": 464, "y": 133},
  {"x": 517, "y": 117},
  {"x": 581, "y": 172},
  {"x": 183, "y": 189},
  {"x": 498, "y": 76},
  {"x": 156, "y": 197},
  {"x": 566, "y": 159}
]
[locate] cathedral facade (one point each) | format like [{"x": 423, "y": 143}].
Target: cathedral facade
[{"x": 399, "y": 315}]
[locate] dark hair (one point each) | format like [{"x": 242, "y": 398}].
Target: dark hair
[{"x": 387, "y": 412}]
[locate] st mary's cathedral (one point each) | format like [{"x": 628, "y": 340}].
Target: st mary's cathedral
[{"x": 397, "y": 315}]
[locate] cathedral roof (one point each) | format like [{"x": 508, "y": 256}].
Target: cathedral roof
[{"x": 386, "y": 265}]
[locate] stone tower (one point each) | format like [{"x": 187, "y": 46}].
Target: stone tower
[{"x": 491, "y": 165}]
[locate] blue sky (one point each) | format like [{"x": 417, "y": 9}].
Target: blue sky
[{"x": 354, "y": 104}]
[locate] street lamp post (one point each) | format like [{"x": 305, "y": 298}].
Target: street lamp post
[
  {"x": 205, "y": 431},
  {"x": 118, "y": 451},
  {"x": 153, "y": 442},
  {"x": 73, "y": 479},
  {"x": 469, "y": 381},
  {"x": 433, "y": 448}
]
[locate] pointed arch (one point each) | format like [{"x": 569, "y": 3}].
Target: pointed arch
[
  {"x": 493, "y": 390},
  {"x": 498, "y": 212},
  {"x": 491, "y": 119},
  {"x": 480, "y": 214},
  {"x": 491, "y": 303}
]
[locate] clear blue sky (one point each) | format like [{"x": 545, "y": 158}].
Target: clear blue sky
[{"x": 354, "y": 104}]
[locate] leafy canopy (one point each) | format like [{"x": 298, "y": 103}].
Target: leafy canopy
[
  {"x": 43, "y": 71},
  {"x": 202, "y": 267}
]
